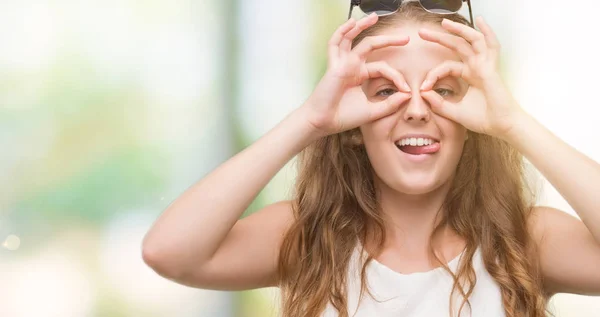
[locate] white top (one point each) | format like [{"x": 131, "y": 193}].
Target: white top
[{"x": 421, "y": 294}]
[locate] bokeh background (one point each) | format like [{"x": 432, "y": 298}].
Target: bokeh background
[{"x": 111, "y": 109}]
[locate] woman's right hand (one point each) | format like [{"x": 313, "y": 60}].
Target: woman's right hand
[{"x": 339, "y": 103}]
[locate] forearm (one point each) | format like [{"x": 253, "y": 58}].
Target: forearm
[
  {"x": 575, "y": 176},
  {"x": 191, "y": 229}
]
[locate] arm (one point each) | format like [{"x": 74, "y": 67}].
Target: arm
[
  {"x": 569, "y": 248},
  {"x": 198, "y": 240}
]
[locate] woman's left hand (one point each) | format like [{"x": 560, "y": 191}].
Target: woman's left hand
[{"x": 488, "y": 106}]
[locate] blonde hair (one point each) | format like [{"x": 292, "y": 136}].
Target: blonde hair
[{"x": 335, "y": 203}]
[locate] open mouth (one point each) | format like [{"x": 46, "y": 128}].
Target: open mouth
[{"x": 432, "y": 148}]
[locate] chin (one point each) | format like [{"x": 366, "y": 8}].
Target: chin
[
  {"x": 414, "y": 184},
  {"x": 411, "y": 175},
  {"x": 416, "y": 187}
]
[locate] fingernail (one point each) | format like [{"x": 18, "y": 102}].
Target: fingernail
[{"x": 407, "y": 87}]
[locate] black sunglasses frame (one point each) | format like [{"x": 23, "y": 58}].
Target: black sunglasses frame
[{"x": 356, "y": 3}]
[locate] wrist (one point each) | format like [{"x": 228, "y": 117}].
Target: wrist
[
  {"x": 522, "y": 123},
  {"x": 301, "y": 116},
  {"x": 301, "y": 129}
]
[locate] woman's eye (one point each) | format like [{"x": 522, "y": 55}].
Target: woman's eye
[
  {"x": 385, "y": 92},
  {"x": 444, "y": 92}
]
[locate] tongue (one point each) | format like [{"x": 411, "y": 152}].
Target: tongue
[{"x": 415, "y": 150}]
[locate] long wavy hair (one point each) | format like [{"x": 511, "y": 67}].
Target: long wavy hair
[{"x": 335, "y": 203}]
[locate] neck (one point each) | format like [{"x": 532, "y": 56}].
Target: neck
[{"x": 410, "y": 219}]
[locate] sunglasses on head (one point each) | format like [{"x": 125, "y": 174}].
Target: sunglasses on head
[{"x": 387, "y": 7}]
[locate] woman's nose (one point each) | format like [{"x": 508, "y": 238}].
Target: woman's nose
[{"x": 418, "y": 109}]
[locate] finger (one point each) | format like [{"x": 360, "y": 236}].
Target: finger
[
  {"x": 383, "y": 69},
  {"x": 440, "y": 105},
  {"x": 474, "y": 37},
  {"x": 336, "y": 38},
  {"x": 372, "y": 43},
  {"x": 388, "y": 106},
  {"x": 361, "y": 25},
  {"x": 447, "y": 68},
  {"x": 451, "y": 41},
  {"x": 488, "y": 33}
]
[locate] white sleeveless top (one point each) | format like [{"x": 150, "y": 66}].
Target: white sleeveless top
[{"x": 421, "y": 294}]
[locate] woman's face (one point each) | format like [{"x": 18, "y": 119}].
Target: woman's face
[{"x": 402, "y": 171}]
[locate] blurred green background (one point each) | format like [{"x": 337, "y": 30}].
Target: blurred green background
[{"x": 111, "y": 109}]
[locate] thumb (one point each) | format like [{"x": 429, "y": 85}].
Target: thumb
[
  {"x": 441, "y": 106},
  {"x": 388, "y": 106}
]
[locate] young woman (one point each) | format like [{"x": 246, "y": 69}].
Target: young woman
[{"x": 411, "y": 197}]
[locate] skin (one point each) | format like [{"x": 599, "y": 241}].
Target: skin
[
  {"x": 569, "y": 248},
  {"x": 200, "y": 241},
  {"x": 410, "y": 192}
]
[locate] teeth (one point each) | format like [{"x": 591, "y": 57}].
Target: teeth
[{"x": 415, "y": 141}]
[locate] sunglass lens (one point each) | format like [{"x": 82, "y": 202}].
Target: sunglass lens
[
  {"x": 381, "y": 7},
  {"x": 441, "y": 6}
]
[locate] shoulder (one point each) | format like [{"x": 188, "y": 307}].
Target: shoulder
[
  {"x": 568, "y": 252},
  {"x": 541, "y": 218},
  {"x": 546, "y": 222}
]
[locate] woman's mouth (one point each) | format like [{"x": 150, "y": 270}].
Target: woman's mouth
[
  {"x": 418, "y": 150},
  {"x": 418, "y": 146}
]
